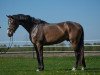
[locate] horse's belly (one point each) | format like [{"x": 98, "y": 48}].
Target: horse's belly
[
  {"x": 54, "y": 38},
  {"x": 54, "y": 34},
  {"x": 53, "y": 42}
]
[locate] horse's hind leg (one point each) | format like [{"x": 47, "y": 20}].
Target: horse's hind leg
[
  {"x": 74, "y": 45},
  {"x": 83, "y": 62},
  {"x": 79, "y": 54},
  {"x": 83, "y": 59}
]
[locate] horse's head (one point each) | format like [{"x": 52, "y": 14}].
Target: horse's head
[
  {"x": 13, "y": 25},
  {"x": 20, "y": 19}
]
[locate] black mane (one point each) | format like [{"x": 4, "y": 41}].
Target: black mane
[
  {"x": 39, "y": 21},
  {"x": 21, "y": 17},
  {"x": 28, "y": 18}
]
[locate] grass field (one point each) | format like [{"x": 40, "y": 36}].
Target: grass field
[{"x": 53, "y": 66}]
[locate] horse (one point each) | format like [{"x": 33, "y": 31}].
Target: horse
[{"x": 43, "y": 33}]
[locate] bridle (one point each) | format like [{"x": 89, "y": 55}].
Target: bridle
[{"x": 10, "y": 42}]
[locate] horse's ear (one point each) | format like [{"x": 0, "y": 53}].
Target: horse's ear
[{"x": 9, "y": 16}]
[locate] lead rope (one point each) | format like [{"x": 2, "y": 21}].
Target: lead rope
[{"x": 10, "y": 44}]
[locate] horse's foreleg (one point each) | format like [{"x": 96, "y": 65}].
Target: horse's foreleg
[{"x": 39, "y": 52}]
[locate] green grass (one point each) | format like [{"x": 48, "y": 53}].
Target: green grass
[{"x": 53, "y": 66}]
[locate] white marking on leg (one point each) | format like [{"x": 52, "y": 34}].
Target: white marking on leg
[
  {"x": 82, "y": 68},
  {"x": 73, "y": 69},
  {"x": 37, "y": 70}
]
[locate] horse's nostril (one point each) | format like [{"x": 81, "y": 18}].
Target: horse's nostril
[{"x": 10, "y": 34}]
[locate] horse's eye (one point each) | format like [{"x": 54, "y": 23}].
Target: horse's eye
[{"x": 11, "y": 21}]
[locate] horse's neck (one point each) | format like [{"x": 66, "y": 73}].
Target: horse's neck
[{"x": 28, "y": 27}]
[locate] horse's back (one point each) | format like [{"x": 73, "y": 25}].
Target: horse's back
[{"x": 54, "y": 33}]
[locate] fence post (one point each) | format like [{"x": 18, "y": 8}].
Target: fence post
[{"x": 33, "y": 51}]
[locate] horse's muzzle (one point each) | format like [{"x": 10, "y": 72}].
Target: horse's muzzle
[{"x": 10, "y": 34}]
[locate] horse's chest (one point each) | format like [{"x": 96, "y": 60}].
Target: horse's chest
[{"x": 36, "y": 35}]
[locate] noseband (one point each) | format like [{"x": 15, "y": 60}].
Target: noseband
[{"x": 11, "y": 29}]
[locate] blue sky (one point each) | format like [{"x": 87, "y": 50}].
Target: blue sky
[{"x": 86, "y": 12}]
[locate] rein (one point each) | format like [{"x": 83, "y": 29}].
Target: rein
[
  {"x": 9, "y": 46},
  {"x": 10, "y": 43}
]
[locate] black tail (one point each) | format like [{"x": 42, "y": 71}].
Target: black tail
[
  {"x": 81, "y": 44},
  {"x": 81, "y": 41}
]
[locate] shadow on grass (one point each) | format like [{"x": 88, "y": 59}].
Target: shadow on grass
[
  {"x": 87, "y": 70},
  {"x": 93, "y": 69}
]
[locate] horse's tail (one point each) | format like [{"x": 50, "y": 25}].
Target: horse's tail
[{"x": 81, "y": 42}]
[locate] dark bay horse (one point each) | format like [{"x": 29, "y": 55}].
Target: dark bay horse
[{"x": 42, "y": 33}]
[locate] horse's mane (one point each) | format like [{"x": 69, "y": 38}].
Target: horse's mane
[
  {"x": 39, "y": 21},
  {"x": 21, "y": 17},
  {"x": 28, "y": 18}
]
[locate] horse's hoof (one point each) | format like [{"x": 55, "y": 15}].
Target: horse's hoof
[
  {"x": 82, "y": 68},
  {"x": 73, "y": 69},
  {"x": 37, "y": 70}
]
